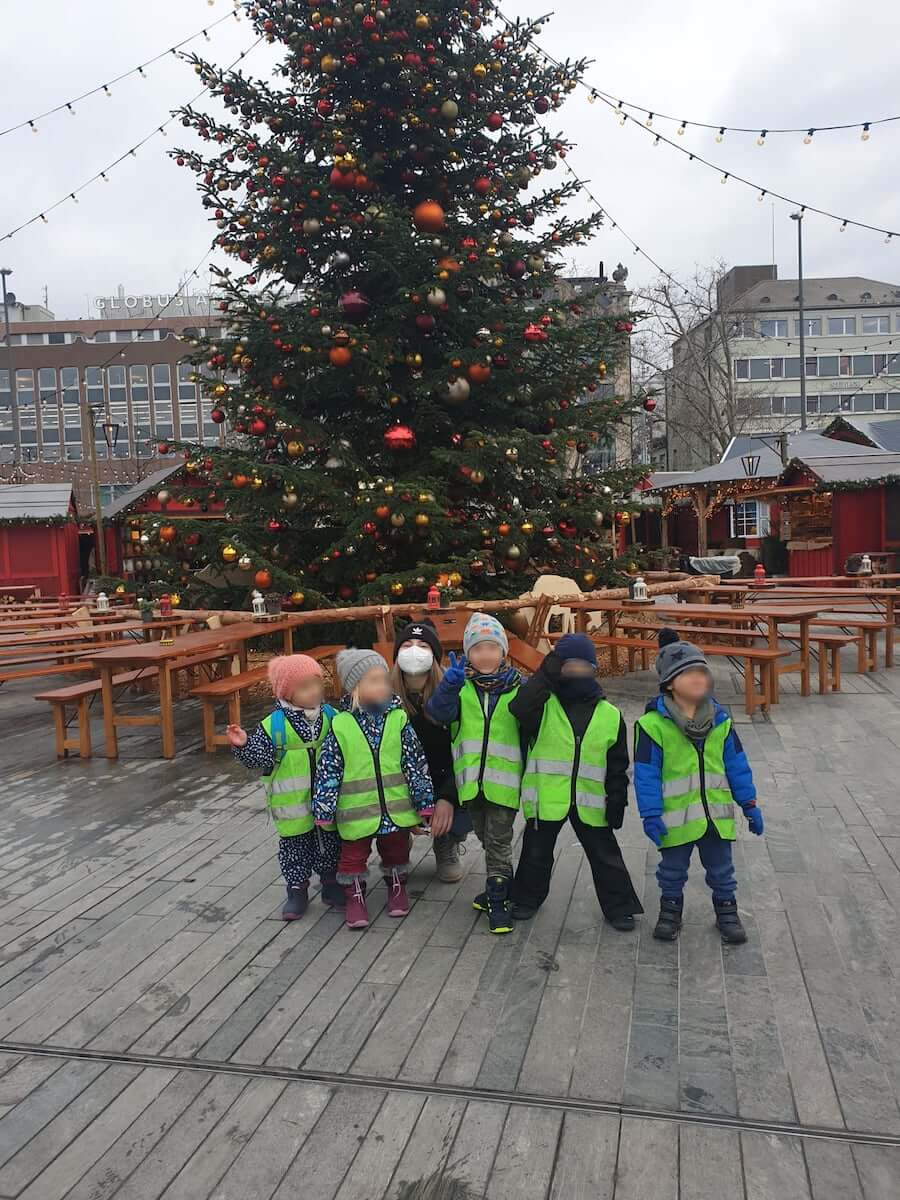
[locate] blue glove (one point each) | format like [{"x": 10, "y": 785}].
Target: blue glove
[
  {"x": 455, "y": 675},
  {"x": 754, "y": 820},
  {"x": 655, "y": 829}
]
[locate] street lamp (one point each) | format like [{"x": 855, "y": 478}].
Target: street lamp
[
  {"x": 111, "y": 433},
  {"x": 4, "y": 272},
  {"x": 798, "y": 217},
  {"x": 750, "y": 463}
]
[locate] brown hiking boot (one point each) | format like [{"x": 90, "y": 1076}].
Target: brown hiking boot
[{"x": 446, "y": 853}]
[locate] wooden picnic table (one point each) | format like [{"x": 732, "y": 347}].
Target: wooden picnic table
[
  {"x": 89, "y": 633},
  {"x": 771, "y": 616},
  {"x": 57, "y": 620},
  {"x": 184, "y": 651}
]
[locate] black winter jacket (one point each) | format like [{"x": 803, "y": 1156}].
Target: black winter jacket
[{"x": 528, "y": 709}]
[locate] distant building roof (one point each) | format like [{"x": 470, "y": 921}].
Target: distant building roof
[
  {"x": 36, "y": 501},
  {"x": 881, "y": 430},
  {"x": 846, "y": 291}
]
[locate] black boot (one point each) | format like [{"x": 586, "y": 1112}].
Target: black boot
[
  {"x": 296, "y": 904},
  {"x": 332, "y": 892},
  {"x": 728, "y": 922},
  {"x": 624, "y": 922},
  {"x": 499, "y": 909},
  {"x": 480, "y": 903},
  {"x": 669, "y": 922},
  {"x": 522, "y": 912}
]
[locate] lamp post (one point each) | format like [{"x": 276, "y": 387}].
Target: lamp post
[
  {"x": 4, "y": 271},
  {"x": 798, "y": 217},
  {"x": 87, "y": 422}
]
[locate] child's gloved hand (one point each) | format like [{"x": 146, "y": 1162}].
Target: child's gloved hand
[
  {"x": 655, "y": 829},
  {"x": 455, "y": 675},
  {"x": 754, "y": 820},
  {"x": 236, "y": 736}
]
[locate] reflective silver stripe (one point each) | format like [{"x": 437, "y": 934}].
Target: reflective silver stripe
[
  {"x": 399, "y": 804},
  {"x": 501, "y": 750},
  {"x": 681, "y": 816},
  {"x": 468, "y": 746},
  {"x": 672, "y": 788},
  {"x": 550, "y": 766},
  {"x": 345, "y": 816},
  {"x": 290, "y": 812},
  {"x": 718, "y": 781},
  {"x": 590, "y": 800},
  {"x": 529, "y": 796},
  {"x": 504, "y": 778},
  {"x": 355, "y": 786},
  {"x": 722, "y": 812},
  {"x": 287, "y": 783},
  {"x": 595, "y": 774}
]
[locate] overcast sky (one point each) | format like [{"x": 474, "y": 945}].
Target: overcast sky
[{"x": 765, "y": 64}]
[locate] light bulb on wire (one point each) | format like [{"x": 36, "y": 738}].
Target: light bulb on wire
[
  {"x": 720, "y": 136},
  {"x": 681, "y": 128},
  {"x": 649, "y": 121},
  {"x": 809, "y": 137},
  {"x": 761, "y": 140},
  {"x": 843, "y": 227},
  {"x": 865, "y": 135}
]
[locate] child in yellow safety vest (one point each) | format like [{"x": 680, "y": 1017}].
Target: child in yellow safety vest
[
  {"x": 576, "y": 770},
  {"x": 372, "y": 782},
  {"x": 285, "y": 747},
  {"x": 690, "y": 770},
  {"x": 474, "y": 699}
]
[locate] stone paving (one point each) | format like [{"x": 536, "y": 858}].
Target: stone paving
[{"x": 202, "y": 1049}]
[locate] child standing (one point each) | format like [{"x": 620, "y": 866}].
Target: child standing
[
  {"x": 417, "y": 672},
  {"x": 372, "y": 781},
  {"x": 285, "y": 748},
  {"x": 690, "y": 770},
  {"x": 474, "y": 699},
  {"x": 577, "y": 770}
]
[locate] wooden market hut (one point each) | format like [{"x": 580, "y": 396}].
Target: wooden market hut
[
  {"x": 735, "y": 502},
  {"x": 39, "y": 538}
]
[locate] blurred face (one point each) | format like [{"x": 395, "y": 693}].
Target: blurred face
[
  {"x": 577, "y": 668},
  {"x": 486, "y": 657},
  {"x": 692, "y": 686},
  {"x": 309, "y": 692},
  {"x": 374, "y": 688}
]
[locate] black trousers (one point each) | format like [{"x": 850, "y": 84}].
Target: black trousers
[{"x": 612, "y": 882}]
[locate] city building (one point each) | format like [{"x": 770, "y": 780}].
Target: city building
[
  {"x": 737, "y": 372},
  {"x": 129, "y": 371}
]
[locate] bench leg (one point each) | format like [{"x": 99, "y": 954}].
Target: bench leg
[
  {"x": 823, "y": 668},
  {"x": 208, "y": 716},
  {"x": 234, "y": 709},
  {"x": 836, "y": 670},
  {"x": 872, "y": 656},
  {"x": 84, "y": 727},
  {"x": 645, "y": 659},
  {"x": 59, "y": 729},
  {"x": 861, "y": 653},
  {"x": 749, "y": 690}
]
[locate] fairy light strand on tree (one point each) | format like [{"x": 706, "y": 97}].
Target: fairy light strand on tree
[
  {"x": 32, "y": 123},
  {"x": 73, "y": 193}
]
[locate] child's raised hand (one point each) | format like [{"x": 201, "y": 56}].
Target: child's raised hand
[
  {"x": 236, "y": 736},
  {"x": 455, "y": 674}
]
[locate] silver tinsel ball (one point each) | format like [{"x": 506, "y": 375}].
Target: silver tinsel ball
[{"x": 340, "y": 259}]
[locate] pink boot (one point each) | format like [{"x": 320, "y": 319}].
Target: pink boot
[
  {"x": 357, "y": 913},
  {"x": 398, "y": 900}
]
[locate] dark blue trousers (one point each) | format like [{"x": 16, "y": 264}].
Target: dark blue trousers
[{"x": 715, "y": 854}]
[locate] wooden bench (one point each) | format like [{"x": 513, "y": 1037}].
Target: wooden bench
[
  {"x": 74, "y": 668},
  {"x": 228, "y": 691},
  {"x": 80, "y": 695},
  {"x": 866, "y": 638},
  {"x": 761, "y": 657}
]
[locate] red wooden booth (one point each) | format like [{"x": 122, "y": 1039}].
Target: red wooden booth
[{"x": 39, "y": 538}]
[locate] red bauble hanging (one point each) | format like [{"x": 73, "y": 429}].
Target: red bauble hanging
[
  {"x": 263, "y": 579},
  {"x": 534, "y": 333},
  {"x": 649, "y": 404},
  {"x": 399, "y": 439},
  {"x": 217, "y": 415},
  {"x": 494, "y": 121},
  {"x": 355, "y": 305},
  {"x": 163, "y": 448},
  {"x": 258, "y": 427}
]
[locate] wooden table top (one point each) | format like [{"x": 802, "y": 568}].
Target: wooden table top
[
  {"x": 145, "y": 653},
  {"x": 784, "y": 611},
  {"x": 86, "y": 633},
  {"x": 860, "y": 593}
]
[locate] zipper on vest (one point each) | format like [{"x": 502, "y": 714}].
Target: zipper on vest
[
  {"x": 379, "y": 782},
  {"x": 700, "y": 760},
  {"x": 575, "y": 765},
  {"x": 488, "y": 713}
]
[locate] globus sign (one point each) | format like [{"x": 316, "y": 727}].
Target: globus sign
[{"x": 194, "y": 304}]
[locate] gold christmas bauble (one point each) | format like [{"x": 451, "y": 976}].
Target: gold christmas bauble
[
  {"x": 329, "y": 64},
  {"x": 589, "y": 578},
  {"x": 512, "y": 454},
  {"x": 514, "y": 552},
  {"x": 120, "y": 589},
  {"x": 422, "y": 519},
  {"x": 397, "y": 520},
  {"x": 229, "y": 554},
  {"x": 527, "y": 528},
  {"x": 294, "y": 449},
  {"x": 389, "y": 489},
  {"x": 289, "y": 499},
  {"x": 477, "y": 477},
  {"x": 479, "y": 70},
  {"x": 454, "y": 579},
  {"x": 397, "y": 588},
  {"x": 297, "y": 597},
  {"x": 598, "y": 519}
]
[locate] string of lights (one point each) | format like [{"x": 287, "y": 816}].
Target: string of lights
[
  {"x": 106, "y": 88},
  {"x": 130, "y": 153},
  {"x": 624, "y": 118}
]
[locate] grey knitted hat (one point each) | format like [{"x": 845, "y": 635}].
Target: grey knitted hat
[
  {"x": 676, "y": 656},
  {"x": 353, "y": 664}
]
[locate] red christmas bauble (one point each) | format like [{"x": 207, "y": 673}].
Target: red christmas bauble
[
  {"x": 355, "y": 305},
  {"x": 399, "y": 438},
  {"x": 494, "y": 121},
  {"x": 482, "y": 185},
  {"x": 624, "y": 327},
  {"x": 424, "y": 322},
  {"x": 542, "y": 104},
  {"x": 163, "y": 448},
  {"x": 342, "y": 181},
  {"x": 534, "y": 333},
  {"x": 515, "y": 269},
  {"x": 258, "y": 427},
  {"x": 263, "y": 579},
  {"x": 649, "y": 404},
  {"x": 192, "y": 539},
  {"x": 428, "y": 217},
  {"x": 217, "y": 415}
]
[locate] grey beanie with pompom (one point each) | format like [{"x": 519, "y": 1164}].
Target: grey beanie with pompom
[{"x": 676, "y": 656}]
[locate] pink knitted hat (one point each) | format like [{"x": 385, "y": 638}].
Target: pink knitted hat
[{"x": 287, "y": 670}]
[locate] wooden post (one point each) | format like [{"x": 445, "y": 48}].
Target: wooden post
[
  {"x": 699, "y": 499},
  {"x": 663, "y": 529}
]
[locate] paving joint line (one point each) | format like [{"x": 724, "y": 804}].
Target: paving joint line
[{"x": 458, "y": 1091}]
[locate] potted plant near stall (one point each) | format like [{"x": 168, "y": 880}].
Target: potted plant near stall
[{"x": 145, "y": 608}]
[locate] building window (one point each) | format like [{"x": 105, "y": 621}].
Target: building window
[
  {"x": 841, "y": 325},
  {"x": 742, "y": 329},
  {"x": 139, "y": 377},
  {"x": 34, "y": 339},
  {"x": 742, "y": 368},
  {"x": 103, "y": 335},
  {"x": 864, "y": 402},
  {"x": 812, "y": 366},
  {"x": 829, "y": 402},
  {"x": 893, "y": 365},
  {"x": 778, "y": 406},
  {"x": 211, "y": 431},
  {"x": 846, "y": 364},
  {"x": 893, "y": 401},
  {"x": 760, "y": 368},
  {"x": 749, "y": 518},
  {"x": 813, "y": 327},
  {"x": 57, "y": 339},
  {"x": 187, "y": 389},
  {"x": 876, "y": 324},
  {"x": 862, "y": 364},
  {"x": 124, "y": 335},
  {"x": 187, "y": 412},
  {"x": 774, "y": 328},
  {"x": 7, "y": 433},
  {"x": 828, "y": 366},
  {"x": 879, "y": 400}
]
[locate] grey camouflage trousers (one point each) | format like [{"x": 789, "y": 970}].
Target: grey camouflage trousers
[{"x": 493, "y": 825}]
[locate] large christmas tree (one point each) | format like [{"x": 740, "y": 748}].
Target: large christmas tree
[{"x": 410, "y": 400}]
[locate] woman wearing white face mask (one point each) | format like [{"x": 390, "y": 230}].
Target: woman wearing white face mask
[{"x": 416, "y": 673}]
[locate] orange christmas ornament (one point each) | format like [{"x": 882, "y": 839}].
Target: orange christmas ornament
[
  {"x": 339, "y": 356},
  {"x": 263, "y": 579},
  {"x": 428, "y": 217}
]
